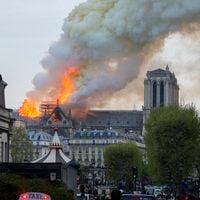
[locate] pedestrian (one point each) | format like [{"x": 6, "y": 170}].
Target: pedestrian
[
  {"x": 116, "y": 195},
  {"x": 103, "y": 197},
  {"x": 107, "y": 197}
]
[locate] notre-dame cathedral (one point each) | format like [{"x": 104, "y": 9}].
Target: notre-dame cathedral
[
  {"x": 160, "y": 89},
  {"x": 85, "y": 140}
]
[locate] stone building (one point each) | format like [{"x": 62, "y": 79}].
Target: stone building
[
  {"x": 88, "y": 146},
  {"x": 160, "y": 89},
  {"x": 40, "y": 141},
  {"x": 5, "y": 124}
]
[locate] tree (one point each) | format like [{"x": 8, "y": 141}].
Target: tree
[
  {"x": 171, "y": 139},
  {"x": 119, "y": 160},
  {"x": 197, "y": 158},
  {"x": 12, "y": 185},
  {"x": 21, "y": 147}
]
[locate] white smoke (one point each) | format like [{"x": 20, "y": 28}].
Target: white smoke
[{"x": 110, "y": 41}]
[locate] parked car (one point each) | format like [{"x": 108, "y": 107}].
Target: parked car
[{"x": 137, "y": 197}]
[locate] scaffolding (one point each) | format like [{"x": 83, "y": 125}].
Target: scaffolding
[{"x": 47, "y": 107}]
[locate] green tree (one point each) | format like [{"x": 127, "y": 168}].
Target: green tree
[
  {"x": 171, "y": 139},
  {"x": 197, "y": 158},
  {"x": 119, "y": 160},
  {"x": 21, "y": 146},
  {"x": 12, "y": 185}
]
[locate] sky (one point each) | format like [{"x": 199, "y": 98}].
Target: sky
[{"x": 28, "y": 28}]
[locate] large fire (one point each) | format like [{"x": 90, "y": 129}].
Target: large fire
[
  {"x": 67, "y": 84},
  {"x": 30, "y": 108}
]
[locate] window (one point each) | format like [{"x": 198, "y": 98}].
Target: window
[
  {"x": 161, "y": 94},
  {"x": 154, "y": 94}
]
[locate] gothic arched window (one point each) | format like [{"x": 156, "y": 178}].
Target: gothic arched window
[
  {"x": 154, "y": 93},
  {"x": 161, "y": 94}
]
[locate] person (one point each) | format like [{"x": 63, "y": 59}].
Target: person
[
  {"x": 107, "y": 197},
  {"x": 82, "y": 190},
  {"x": 116, "y": 195},
  {"x": 161, "y": 196},
  {"x": 103, "y": 197}
]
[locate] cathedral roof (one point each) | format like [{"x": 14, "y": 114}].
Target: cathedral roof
[{"x": 114, "y": 118}]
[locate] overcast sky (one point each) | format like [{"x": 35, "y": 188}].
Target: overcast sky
[{"x": 27, "y": 28}]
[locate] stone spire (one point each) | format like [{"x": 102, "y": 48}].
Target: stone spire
[{"x": 167, "y": 68}]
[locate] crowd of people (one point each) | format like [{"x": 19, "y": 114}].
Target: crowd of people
[
  {"x": 114, "y": 195},
  {"x": 117, "y": 195}
]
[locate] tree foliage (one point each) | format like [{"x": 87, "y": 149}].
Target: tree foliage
[
  {"x": 197, "y": 158},
  {"x": 171, "y": 140},
  {"x": 119, "y": 160},
  {"x": 21, "y": 146},
  {"x": 11, "y": 186}
]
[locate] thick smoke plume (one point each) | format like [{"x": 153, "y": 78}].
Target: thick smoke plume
[{"x": 110, "y": 42}]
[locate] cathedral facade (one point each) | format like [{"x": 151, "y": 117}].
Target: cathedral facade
[{"x": 160, "y": 90}]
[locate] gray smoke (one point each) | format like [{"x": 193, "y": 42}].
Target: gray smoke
[{"x": 110, "y": 41}]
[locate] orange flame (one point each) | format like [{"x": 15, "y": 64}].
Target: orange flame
[
  {"x": 67, "y": 84},
  {"x": 29, "y": 109}
]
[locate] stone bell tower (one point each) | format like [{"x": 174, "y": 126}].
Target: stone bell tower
[{"x": 160, "y": 89}]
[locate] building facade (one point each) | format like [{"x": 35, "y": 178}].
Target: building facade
[
  {"x": 5, "y": 124},
  {"x": 87, "y": 146},
  {"x": 160, "y": 89},
  {"x": 40, "y": 141}
]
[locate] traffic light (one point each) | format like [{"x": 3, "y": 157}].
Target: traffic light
[{"x": 135, "y": 172}]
